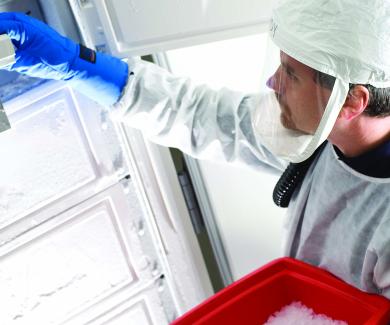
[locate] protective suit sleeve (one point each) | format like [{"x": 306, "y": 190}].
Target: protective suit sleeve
[
  {"x": 43, "y": 53},
  {"x": 203, "y": 123}
]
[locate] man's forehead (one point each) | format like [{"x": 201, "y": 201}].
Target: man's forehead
[{"x": 294, "y": 65}]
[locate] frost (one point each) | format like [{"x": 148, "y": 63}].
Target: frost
[
  {"x": 297, "y": 313},
  {"x": 44, "y": 156}
]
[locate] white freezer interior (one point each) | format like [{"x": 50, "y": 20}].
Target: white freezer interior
[
  {"x": 94, "y": 228},
  {"x": 75, "y": 243}
]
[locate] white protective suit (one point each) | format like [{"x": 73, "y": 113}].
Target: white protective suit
[{"x": 338, "y": 219}]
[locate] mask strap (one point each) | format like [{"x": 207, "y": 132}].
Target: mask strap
[{"x": 332, "y": 110}]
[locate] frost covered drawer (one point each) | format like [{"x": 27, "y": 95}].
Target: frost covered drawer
[
  {"x": 152, "y": 306},
  {"x": 59, "y": 151},
  {"x": 90, "y": 255}
]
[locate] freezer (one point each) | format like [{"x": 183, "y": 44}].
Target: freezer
[{"x": 96, "y": 225}]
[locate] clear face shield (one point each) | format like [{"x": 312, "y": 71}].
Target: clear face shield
[{"x": 299, "y": 109}]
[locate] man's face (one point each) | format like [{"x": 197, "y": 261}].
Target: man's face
[{"x": 301, "y": 99}]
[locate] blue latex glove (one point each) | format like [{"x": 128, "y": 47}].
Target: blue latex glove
[{"x": 42, "y": 52}]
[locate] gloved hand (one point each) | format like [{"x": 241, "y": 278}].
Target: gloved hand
[{"x": 42, "y": 52}]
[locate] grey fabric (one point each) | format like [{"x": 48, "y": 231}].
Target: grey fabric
[{"x": 338, "y": 219}]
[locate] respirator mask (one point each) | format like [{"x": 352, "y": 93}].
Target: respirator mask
[
  {"x": 298, "y": 110},
  {"x": 316, "y": 50}
]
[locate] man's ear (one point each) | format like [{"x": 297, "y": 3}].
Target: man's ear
[{"x": 356, "y": 102}]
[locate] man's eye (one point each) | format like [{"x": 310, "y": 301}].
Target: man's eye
[{"x": 291, "y": 75}]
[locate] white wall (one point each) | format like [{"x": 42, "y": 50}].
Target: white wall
[{"x": 249, "y": 222}]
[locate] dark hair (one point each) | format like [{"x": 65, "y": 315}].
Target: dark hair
[{"x": 379, "y": 101}]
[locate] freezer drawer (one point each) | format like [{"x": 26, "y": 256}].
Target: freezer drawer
[
  {"x": 85, "y": 260},
  {"x": 149, "y": 307},
  {"x": 60, "y": 150}
]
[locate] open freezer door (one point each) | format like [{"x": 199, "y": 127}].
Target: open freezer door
[{"x": 140, "y": 27}]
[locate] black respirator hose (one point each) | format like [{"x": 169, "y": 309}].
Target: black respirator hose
[{"x": 291, "y": 177}]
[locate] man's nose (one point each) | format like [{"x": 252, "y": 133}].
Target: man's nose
[
  {"x": 274, "y": 81},
  {"x": 271, "y": 82}
]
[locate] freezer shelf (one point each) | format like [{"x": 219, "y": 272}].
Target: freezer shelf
[
  {"x": 60, "y": 150},
  {"x": 89, "y": 257},
  {"x": 152, "y": 306}
]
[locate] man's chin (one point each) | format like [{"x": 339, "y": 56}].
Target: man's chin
[
  {"x": 286, "y": 122},
  {"x": 291, "y": 126}
]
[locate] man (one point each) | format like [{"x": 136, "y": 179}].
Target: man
[{"x": 332, "y": 83}]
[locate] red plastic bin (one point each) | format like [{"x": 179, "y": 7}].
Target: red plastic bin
[{"x": 254, "y": 298}]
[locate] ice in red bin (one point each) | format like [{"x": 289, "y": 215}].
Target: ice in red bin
[{"x": 257, "y": 296}]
